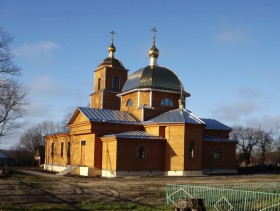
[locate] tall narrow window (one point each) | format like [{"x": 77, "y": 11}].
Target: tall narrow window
[
  {"x": 68, "y": 149},
  {"x": 116, "y": 83},
  {"x": 61, "y": 149},
  {"x": 191, "y": 150},
  {"x": 217, "y": 153},
  {"x": 99, "y": 84},
  {"x": 52, "y": 149},
  {"x": 129, "y": 102},
  {"x": 166, "y": 102},
  {"x": 141, "y": 152},
  {"x": 162, "y": 131},
  {"x": 83, "y": 153}
]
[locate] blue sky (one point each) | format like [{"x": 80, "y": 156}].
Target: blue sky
[{"x": 227, "y": 53}]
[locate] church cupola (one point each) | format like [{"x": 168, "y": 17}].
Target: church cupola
[
  {"x": 154, "y": 52},
  {"x": 109, "y": 78},
  {"x": 112, "y": 48},
  {"x": 153, "y": 89},
  {"x": 112, "y": 61}
]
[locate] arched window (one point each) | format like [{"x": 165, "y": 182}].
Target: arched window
[
  {"x": 129, "y": 102},
  {"x": 191, "y": 150},
  {"x": 141, "y": 152},
  {"x": 166, "y": 102},
  {"x": 217, "y": 153}
]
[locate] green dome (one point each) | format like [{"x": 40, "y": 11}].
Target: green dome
[
  {"x": 113, "y": 62},
  {"x": 155, "y": 77}
]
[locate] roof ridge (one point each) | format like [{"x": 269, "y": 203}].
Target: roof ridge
[{"x": 177, "y": 115}]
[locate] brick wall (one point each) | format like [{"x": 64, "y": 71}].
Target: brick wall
[
  {"x": 228, "y": 155},
  {"x": 126, "y": 157},
  {"x": 193, "y": 133}
]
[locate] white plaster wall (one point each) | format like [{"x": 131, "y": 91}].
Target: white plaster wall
[
  {"x": 83, "y": 171},
  {"x": 53, "y": 167},
  {"x": 110, "y": 174},
  {"x": 107, "y": 173},
  {"x": 183, "y": 173}
]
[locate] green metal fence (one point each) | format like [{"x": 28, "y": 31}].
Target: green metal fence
[
  {"x": 224, "y": 199},
  {"x": 269, "y": 187}
]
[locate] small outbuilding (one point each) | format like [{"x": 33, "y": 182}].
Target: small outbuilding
[{"x": 39, "y": 156}]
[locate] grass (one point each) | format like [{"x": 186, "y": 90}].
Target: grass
[
  {"x": 83, "y": 206},
  {"x": 31, "y": 180},
  {"x": 116, "y": 206},
  {"x": 100, "y": 202}
]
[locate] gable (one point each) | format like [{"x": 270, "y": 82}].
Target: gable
[
  {"x": 77, "y": 117},
  {"x": 80, "y": 118}
]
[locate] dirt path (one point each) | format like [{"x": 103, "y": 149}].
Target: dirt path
[{"x": 31, "y": 187}]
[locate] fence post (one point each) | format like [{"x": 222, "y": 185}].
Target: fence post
[{"x": 245, "y": 202}]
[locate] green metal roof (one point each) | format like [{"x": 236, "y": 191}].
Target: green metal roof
[
  {"x": 155, "y": 77},
  {"x": 112, "y": 62},
  {"x": 105, "y": 115},
  {"x": 176, "y": 116}
]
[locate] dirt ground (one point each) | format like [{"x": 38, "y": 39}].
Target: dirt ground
[{"x": 29, "y": 187}]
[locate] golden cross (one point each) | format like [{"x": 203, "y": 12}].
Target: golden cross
[
  {"x": 112, "y": 32},
  {"x": 154, "y": 30}
]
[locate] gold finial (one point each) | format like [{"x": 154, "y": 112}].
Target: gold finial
[
  {"x": 181, "y": 99},
  {"x": 112, "y": 48},
  {"x": 112, "y": 33},
  {"x": 154, "y": 52},
  {"x": 154, "y": 30}
]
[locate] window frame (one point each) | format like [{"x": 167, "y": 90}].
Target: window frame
[
  {"x": 52, "y": 150},
  {"x": 166, "y": 102},
  {"x": 191, "y": 150},
  {"x": 116, "y": 82},
  {"x": 99, "y": 84},
  {"x": 61, "y": 149},
  {"x": 218, "y": 153},
  {"x": 141, "y": 152},
  {"x": 129, "y": 103},
  {"x": 68, "y": 149},
  {"x": 162, "y": 130}
]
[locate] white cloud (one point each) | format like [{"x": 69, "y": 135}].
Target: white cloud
[
  {"x": 235, "y": 111},
  {"x": 248, "y": 92},
  {"x": 232, "y": 36},
  {"x": 37, "y": 110},
  {"x": 44, "y": 85},
  {"x": 266, "y": 121},
  {"x": 34, "y": 49},
  {"x": 246, "y": 103},
  {"x": 50, "y": 98}
]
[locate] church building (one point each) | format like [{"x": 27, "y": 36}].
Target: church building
[{"x": 139, "y": 126}]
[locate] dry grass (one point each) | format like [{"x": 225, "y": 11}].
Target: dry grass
[{"x": 49, "y": 192}]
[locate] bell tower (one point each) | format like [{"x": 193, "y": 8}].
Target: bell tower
[{"x": 109, "y": 78}]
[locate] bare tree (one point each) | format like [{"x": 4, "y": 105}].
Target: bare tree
[
  {"x": 246, "y": 139},
  {"x": 31, "y": 140},
  {"x": 276, "y": 146},
  {"x": 12, "y": 103},
  {"x": 63, "y": 124},
  {"x": 34, "y": 136},
  {"x": 6, "y": 65},
  {"x": 13, "y": 97},
  {"x": 264, "y": 140},
  {"x": 249, "y": 139},
  {"x": 48, "y": 127}
]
